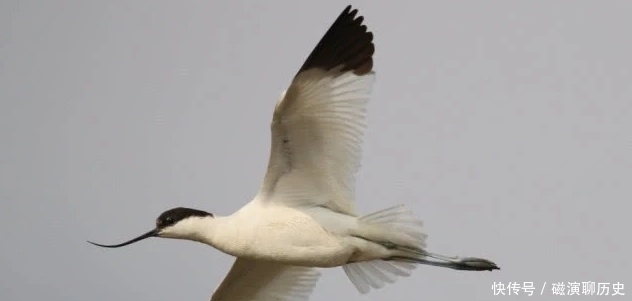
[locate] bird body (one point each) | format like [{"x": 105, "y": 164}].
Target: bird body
[
  {"x": 292, "y": 236},
  {"x": 256, "y": 232},
  {"x": 303, "y": 217}
]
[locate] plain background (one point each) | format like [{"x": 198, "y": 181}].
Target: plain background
[{"x": 505, "y": 125}]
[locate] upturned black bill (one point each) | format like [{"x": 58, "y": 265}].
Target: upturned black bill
[{"x": 149, "y": 234}]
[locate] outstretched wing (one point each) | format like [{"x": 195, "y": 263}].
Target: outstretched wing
[
  {"x": 318, "y": 125},
  {"x": 252, "y": 280}
]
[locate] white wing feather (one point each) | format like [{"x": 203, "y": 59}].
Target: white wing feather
[
  {"x": 317, "y": 130},
  {"x": 318, "y": 125},
  {"x": 317, "y": 133},
  {"x": 252, "y": 280}
]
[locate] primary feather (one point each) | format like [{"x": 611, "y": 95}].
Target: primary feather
[{"x": 318, "y": 125}]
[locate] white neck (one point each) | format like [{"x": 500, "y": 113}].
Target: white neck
[
  {"x": 218, "y": 232},
  {"x": 207, "y": 230}
]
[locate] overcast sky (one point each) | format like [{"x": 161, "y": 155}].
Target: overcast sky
[{"x": 505, "y": 125}]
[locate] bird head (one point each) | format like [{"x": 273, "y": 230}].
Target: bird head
[{"x": 178, "y": 223}]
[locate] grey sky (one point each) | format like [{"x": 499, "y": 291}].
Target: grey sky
[{"x": 505, "y": 125}]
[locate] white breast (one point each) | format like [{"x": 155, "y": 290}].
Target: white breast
[{"x": 287, "y": 235}]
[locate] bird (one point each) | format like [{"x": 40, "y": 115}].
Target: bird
[{"x": 303, "y": 217}]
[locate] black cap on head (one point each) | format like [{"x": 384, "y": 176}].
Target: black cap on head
[
  {"x": 175, "y": 215},
  {"x": 166, "y": 219}
]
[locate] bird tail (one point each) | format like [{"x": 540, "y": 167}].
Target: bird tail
[{"x": 394, "y": 228}]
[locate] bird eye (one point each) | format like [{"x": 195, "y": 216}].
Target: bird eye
[{"x": 169, "y": 220}]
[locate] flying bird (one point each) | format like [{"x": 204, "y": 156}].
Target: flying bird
[{"x": 303, "y": 217}]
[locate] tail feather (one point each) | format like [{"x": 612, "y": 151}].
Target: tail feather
[
  {"x": 358, "y": 277},
  {"x": 376, "y": 273},
  {"x": 395, "y": 227}
]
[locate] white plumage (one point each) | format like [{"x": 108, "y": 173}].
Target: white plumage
[
  {"x": 317, "y": 133},
  {"x": 304, "y": 215}
]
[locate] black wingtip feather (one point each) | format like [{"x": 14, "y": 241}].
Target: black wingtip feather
[{"x": 347, "y": 42}]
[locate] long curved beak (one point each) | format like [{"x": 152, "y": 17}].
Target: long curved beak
[{"x": 149, "y": 234}]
